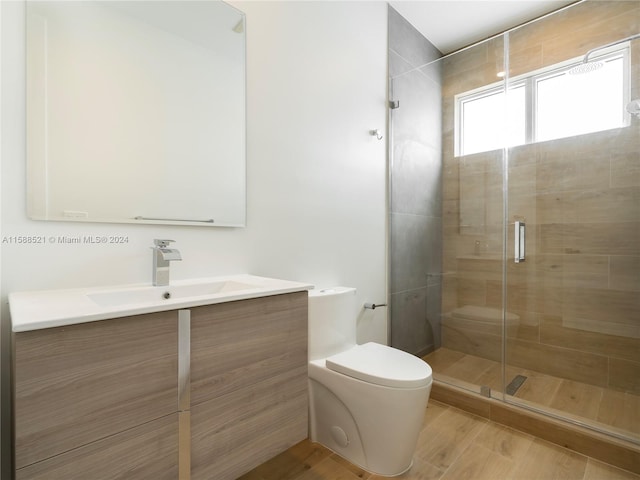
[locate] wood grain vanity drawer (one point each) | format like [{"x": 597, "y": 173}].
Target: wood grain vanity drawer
[
  {"x": 146, "y": 452},
  {"x": 237, "y": 344},
  {"x": 236, "y": 432},
  {"x": 81, "y": 383}
]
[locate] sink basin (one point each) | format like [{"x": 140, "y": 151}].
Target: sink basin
[{"x": 142, "y": 295}]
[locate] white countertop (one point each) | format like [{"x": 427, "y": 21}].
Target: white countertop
[{"x": 34, "y": 310}]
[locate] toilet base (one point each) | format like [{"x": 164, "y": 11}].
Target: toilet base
[
  {"x": 364, "y": 468},
  {"x": 372, "y": 426}
]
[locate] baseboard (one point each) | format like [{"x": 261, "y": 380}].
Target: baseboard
[{"x": 620, "y": 453}]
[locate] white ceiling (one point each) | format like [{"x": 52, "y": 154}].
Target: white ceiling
[{"x": 453, "y": 24}]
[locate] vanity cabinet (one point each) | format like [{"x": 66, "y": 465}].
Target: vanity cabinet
[
  {"x": 248, "y": 383},
  {"x": 100, "y": 400}
]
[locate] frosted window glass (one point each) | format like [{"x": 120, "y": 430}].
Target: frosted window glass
[
  {"x": 492, "y": 121},
  {"x": 569, "y": 105}
]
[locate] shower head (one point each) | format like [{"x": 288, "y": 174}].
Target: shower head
[{"x": 586, "y": 66}]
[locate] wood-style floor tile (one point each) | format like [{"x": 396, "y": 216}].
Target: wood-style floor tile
[
  {"x": 577, "y": 399},
  {"x": 327, "y": 469},
  {"x": 469, "y": 369},
  {"x": 420, "y": 470},
  {"x": 456, "y": 445},
  {"x": 290, "y": 463},
  {"x": 357, "y": 471},
  {"x": 601, "y": 471},
  {"x": 504, "y": 441},
  {"x": 479, "y": 463},
  {"x": 538, "y": 388},
  {"x": 620, "y": 410},
  {"x": 444, "y": 440},
  {"x": 442, "y": 358},
  {"x": 434, "y": 410},
  {"x": 453, "y": 445},
  {"x": 547, "y": 461}
]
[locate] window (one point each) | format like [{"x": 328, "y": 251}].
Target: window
[{"x": 545, "y": 105}]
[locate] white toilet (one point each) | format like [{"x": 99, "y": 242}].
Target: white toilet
[{"x": 366, "y": 402}]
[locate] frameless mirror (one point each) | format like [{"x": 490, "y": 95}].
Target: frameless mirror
[{"x": 136, "y": 112}]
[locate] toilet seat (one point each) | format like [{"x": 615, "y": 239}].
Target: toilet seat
[{"x": 381, "y": 365}]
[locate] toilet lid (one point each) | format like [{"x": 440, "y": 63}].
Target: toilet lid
[{"x": 381, "y": 365}]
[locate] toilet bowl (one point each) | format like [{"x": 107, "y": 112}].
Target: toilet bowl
[{"x": 366, "y": 402}]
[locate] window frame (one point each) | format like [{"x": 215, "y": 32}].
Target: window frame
[{"x": 530, "y": 82}]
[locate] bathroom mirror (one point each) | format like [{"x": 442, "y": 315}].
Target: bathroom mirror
[{"x": 136, "y": 112}]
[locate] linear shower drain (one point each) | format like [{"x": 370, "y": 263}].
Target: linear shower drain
[{"x": 515, "y": 384}]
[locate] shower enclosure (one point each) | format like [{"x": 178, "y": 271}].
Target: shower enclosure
[{"x": 528, "y": 241}]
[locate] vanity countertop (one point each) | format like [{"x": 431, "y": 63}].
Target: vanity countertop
[{"x": 34, "y": 310}]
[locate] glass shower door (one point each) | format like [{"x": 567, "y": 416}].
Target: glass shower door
[
  {"x": 572, "y": 303},
  {"x": 471, "y": 351}
]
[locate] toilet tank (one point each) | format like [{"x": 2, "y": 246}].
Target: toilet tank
[{"x": 332, "y": 321}]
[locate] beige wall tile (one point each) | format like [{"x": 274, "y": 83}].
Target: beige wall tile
[
  {"x": 585, "y": 271},
  {"x": 494, "y": 294},
  {"x": 550, "y": 208},
  {"x": 624, "y": 375},
  {"x": 524, "y": 59},
  {"x": 449, "y": 293},
  {"x": 533, "y": 296},
  {"x": 625, "y": 169},
  {"x": 560, "y": 362},
  {"x": 614, "y": 306},
  {"x": 480, "y": 268},
  {"x": 471, "y": 292},
  {"x": 549, "y": 269},
  {"x": 572, "y": 32},
  {"x": 612, "y": 205},
  {"x": 557, "y": 171},
  {"x": 474, "y": 343},
  {"x": 625, "y": 273},
  {"x": 527, "y": 328},
  {"x": 522, "y": 172},
  {"x": 590, "y": 238},
  {"x": 552, "y": 332}
]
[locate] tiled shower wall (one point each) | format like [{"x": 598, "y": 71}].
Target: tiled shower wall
[
  {"x": 577, "y": 296},
  {"x": 416, "y": 205}
]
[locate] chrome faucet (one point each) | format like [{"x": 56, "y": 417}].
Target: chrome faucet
[{"x": 162, "y": 255}]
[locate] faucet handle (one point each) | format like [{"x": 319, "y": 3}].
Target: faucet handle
[{"x": 162, "y": 243}]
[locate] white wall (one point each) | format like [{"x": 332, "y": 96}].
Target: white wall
[{"x": 316, "y": 178}]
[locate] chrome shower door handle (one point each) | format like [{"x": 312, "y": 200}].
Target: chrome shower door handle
[{"x": 520, "y": 241}]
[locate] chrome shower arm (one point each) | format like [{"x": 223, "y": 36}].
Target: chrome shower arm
[{"x": 627, "y": 39}]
